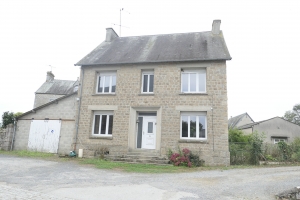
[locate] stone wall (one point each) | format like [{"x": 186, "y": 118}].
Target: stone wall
[
  {"x": 65, "y": 110},
  {"x": 6, "y": 136},
  {"x": 41, "y": 99},
  {"x": 167, "y": 99}
]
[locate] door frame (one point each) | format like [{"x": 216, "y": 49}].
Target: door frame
[{"x": 133, "y": 128}]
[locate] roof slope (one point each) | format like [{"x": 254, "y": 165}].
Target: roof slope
[
  {"x": 233, "y": 121},
  {"x": 47, "y": 104},
  {"x": 199, "y": 46},
  {"x": 255, "y": 123},
  {"x": 62, "y": 87}
]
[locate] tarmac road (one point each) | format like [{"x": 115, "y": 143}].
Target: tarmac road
[{"x": 25, "y": 178}]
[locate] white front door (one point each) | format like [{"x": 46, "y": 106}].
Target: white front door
[{"x": 149, "y": 132}]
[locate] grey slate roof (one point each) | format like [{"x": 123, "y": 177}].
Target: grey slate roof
[
  {"x": 61, "y": 87},
  {"x": 233, "y": 121},
  {"x": 179, "y": 47}
]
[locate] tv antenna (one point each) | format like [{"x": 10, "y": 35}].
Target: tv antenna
[
  {"x": 51, "y": 67},
  {"x": 120, "y": 25}
]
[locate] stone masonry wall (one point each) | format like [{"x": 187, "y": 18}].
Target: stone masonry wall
[
  {"x": 6, "y": 136},
  {"x": 168, "y": 96},
  {"x": 65, "y": 110},
  {"x": 41, "y": 99}
]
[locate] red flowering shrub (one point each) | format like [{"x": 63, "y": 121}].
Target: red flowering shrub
[{"x": 181, "y": 159}]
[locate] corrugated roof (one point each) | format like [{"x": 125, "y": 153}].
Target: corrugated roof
[
  {"x": 55, "y": 86},
  {"x": 199, "y": 46}
]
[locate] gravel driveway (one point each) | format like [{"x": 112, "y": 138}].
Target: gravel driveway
[{"x": 25, "y": 178}]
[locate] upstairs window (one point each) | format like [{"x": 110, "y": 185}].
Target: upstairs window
[
  {"x": 103, "y": 123},
  {"x": 106, "y": 83},
  {"x": 147, "y": 81},
  {"x": 193, "y": 125},
  {"x": 193, "y": 81}
]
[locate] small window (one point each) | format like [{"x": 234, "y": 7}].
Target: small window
[
  {"x": 147, "y": 82},
  {"x": 106, "y": 83},
  {"x": 193, "y": 81},
  {"x": 103, "y": 123},
  {"x": 276, "y": 140},
  {"x": 193, "y": 125}
]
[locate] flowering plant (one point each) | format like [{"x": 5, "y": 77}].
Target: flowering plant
[{"x": 182, "y": 158}]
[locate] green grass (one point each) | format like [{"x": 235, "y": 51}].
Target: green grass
[
  {"x": 135, "y": 167},
  {"x": 130, "y": 167},
  {"x": 30, "y": 154}
]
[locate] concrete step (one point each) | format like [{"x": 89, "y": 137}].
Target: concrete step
[{"x": 138, "y": 159}]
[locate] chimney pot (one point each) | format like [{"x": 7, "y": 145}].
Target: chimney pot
[
  {"x": 50, "y": 76},
  {"x": 216, "y": 27},
  {"x": 110, "y": 34}
]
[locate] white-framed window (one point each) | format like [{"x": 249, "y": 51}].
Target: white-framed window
[
  {"x": 276, "y": 140},
  {"x": 147, "y": 82},
  {"x": 193, "y": 81},
  {"x": 103, "y": 123},
  {"x": 193, "y": 125},
  {"x": 106, "y": 82}
]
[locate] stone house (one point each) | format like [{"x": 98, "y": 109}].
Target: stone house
[
  {"x": 151, "y": 94},
  {"x": 240, "y": 120},
  {"x": 275, "y": 129},
  {"x": 53, "y": 89}
]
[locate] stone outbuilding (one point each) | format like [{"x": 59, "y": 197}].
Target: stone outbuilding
[{"x": 146, "y": 95}]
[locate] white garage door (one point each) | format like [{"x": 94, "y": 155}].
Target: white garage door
[{"x": 44, "y": 135}]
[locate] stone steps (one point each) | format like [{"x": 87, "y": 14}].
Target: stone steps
[{"x": 140, "y": 156}]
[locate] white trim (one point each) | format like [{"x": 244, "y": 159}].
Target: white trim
[
  {"x": 102, "y": 113},
  {"x": 197, "y": 72},
  {"x": 197, "y": 115},
  {"x": 105, "y": 75},
  {"x": 148, "y": 73}
]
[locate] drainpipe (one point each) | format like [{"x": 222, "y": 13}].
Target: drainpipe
[
  {"x": 79, "y": 106},
  {"x": 13, "y": 138},
  {"x": 212, "y": 122}
]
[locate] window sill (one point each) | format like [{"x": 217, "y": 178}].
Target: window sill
[
  {"x": 182, "y": 93},
  {"x": 146, "y": 94},
  {"x": 101, "y": 137},
  {"x": 192, "y": 141},
  {"x": 105, "y": 94}
]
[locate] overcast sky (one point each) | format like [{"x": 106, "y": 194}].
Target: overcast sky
[{"x": 263, "y": 38}]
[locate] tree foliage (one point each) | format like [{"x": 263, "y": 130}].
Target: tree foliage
[
  {"x": 236, "y": 135},
  {"x": 9, "y": 117},
  {"x": 293, "y": 115}
]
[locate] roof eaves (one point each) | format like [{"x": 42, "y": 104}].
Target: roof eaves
[
  {"x": 44, "y": 105},
  {"x": 150, "y": 62}
]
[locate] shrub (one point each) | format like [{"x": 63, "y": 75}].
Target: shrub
[{"x": 185, "y": 158}]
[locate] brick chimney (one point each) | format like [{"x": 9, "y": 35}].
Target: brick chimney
[
  {"x": 216, "y": 27},
  {"x": 110, "y": 35},
  {"x": 50, "y": 76}
]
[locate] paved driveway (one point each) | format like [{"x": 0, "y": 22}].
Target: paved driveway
[{"x": 24, "y": 178}]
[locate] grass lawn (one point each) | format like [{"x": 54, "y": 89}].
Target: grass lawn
[{"x": 129, "y": 167}]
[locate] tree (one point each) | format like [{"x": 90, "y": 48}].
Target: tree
[
  {"x": 235, "y": 135},
  {"x": 9, "y": 117},
  {"x": 293, "y": 115}
]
